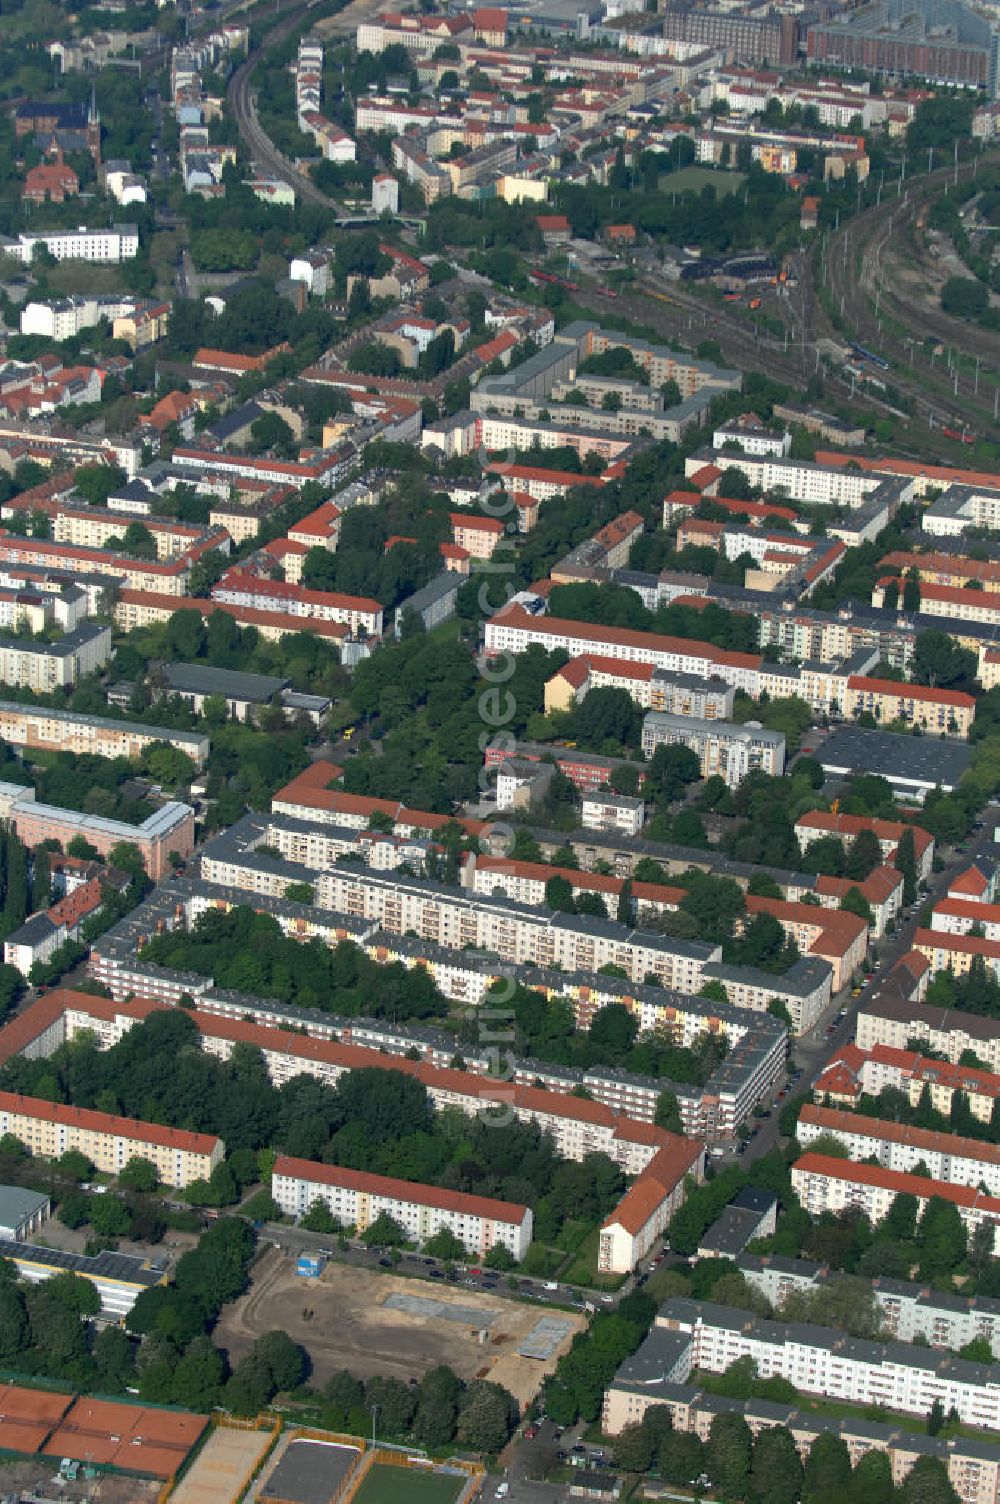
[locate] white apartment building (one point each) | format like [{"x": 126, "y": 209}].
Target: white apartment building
[
  {"x": 111, "y": 244},
  {"x": 801, "y": 480},
  {"x": 512, "y": 931},
  {"x": 600, "y": 810},
  {"x": 61, "y": 318},
  {"x": 825, "y": 1184},
  {"x": 959, "y": 508},
  {"x": 908, "y": 1310},
  {"x": 358, "y": 1199},
  {"x": 514, "y": 629},
  {"x": 238, "y": 587},
  {"x": 898, "y": 1146},
  {"x": 731, "y": 751},
  {"x": 44, "y": 666},
  {"x": 109, "y": 1142},
  {"x": 753, "y": 438},
  {"x": 817, "y": 1360}
]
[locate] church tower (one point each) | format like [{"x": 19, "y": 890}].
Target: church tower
[{"x": 94, "y": 126}]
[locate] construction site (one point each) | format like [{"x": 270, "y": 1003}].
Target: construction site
[{"x": 395, "y": 1327}]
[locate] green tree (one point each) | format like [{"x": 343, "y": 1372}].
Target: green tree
[
  {"x": 384, "y": 1232},
  {"x": 941, "y": 1239},
  {"x": 634, "y": 1449},
  {"x": 862, "y": 856},
  {"x": 964, "y": 298},
  {"x": 827, "y": 1470},
  {"x": 938, "y": 661},
  {"x": 487, "y": 1417},
  {"x": 114, "y": 1355},
  {"x": 668, "y": 1113},
  {"x": 250, "y": 1386},
  {"x": 13, "y": 1322},
  {"x": 110, "y": 1216},
  {"x": 613, "y": 1030},
  {"x": 95, "y": 483},
  {"x": 871, "y": 1481},
  {"x": 139, "y": 1175},
  {"x": 559, "y": 895},
  {"x": 906, "y": 863},
  {"x": 728, "y": 1453},
  {"x": 319, "y": 1218},
  {"x": 286, "y": 1359},
  {"x": 270, "y": 433},
  {"x": 437, "y": 1407},
  {"x": 927, "y": 1483},
  {"x": 445, "y": 1245},
  {"x": 74, "y": 1209},
  {"x": 854, "y": 902},
  {"x": 911, "y": 591},
  {"x": 979, "y": 1350},
  {"x": 776, "y": 1472},
  {"x": 198, "y": 1375},
  {"x": 41, "y": 879}
]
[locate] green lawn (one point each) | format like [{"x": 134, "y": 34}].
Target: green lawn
[
  {"x": 693, "y": 180},
  {"x": 387, "y": 1485}
]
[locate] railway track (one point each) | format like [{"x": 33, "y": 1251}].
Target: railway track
[
  {"x": 858, "y": 264},
  {"x": 240, "y": 98}
]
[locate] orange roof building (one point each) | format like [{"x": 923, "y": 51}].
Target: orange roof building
[
  {"x": 358, "y": 1199},
  {"x": 108, "y": 1141},
  {"x": 826, "y": 1184},
  {"x": 51, "y": 182}
]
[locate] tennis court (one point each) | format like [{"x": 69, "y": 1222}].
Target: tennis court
[{"x": 386, "y": 1484}]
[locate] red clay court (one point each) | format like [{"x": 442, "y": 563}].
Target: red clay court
[
  {"x": 27, "y": 1416},
  {"x": 139, "y": 1440}
]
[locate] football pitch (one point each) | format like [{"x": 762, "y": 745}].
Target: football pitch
[{"x": 386, "y": 1484}]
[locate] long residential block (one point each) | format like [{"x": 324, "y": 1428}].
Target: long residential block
[
  {"x": 824, "y": 1183},
  {"x": 646, "y": 1379},
  {"x": 901, "y": 1018},
  {"x": 166, "y": 577},
  {"x": 947, "y": 1157},
  {"x": 907, "y": 1311},
  {"x": 239, "y": 587},
  {"x": 357, "y": 1199},
  {"x": 515, "y": 629},
  {"x": 512, "y": 931},
  {"x": 824, "y": 1362},
  {"x": 108, "y": 245},
  {"x": 853, "y": 1072},
  {"x": 109, "y": 1142},
  {"x": 31, "y": 726}
]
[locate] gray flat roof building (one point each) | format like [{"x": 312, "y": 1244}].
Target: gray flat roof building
[
  {"x": 199, "y": 679},
  {"x": 912, "y": 764},
  {"x": 22, "y": 1212}
]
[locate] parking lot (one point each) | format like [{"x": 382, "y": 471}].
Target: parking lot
[{"x": 343, "y": 1320}]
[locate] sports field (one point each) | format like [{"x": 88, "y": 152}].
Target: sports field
[
  {"x": 694, "y": 179},
  {"x": 387, "y": 1485}
]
